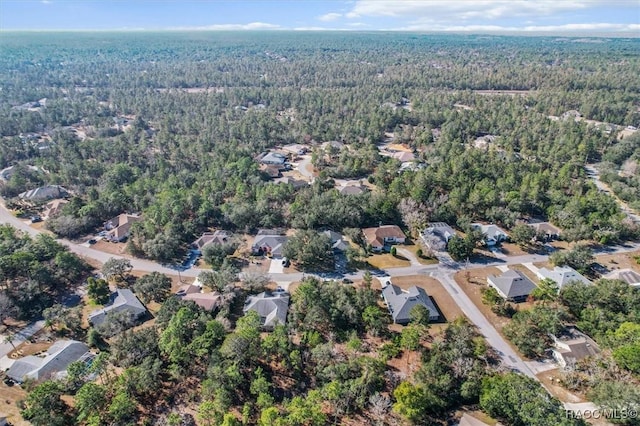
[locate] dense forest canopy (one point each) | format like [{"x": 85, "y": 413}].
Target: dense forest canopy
[{"x": 201, "y": 106}]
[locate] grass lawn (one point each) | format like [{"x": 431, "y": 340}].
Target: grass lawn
[
  {"x": 385, "y": 260},
  {"x": 423, "y": 260}
]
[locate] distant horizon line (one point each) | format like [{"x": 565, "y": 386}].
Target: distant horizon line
[{"x": 577, "y": 33}]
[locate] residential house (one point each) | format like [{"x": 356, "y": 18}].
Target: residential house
[
  {"x": 629, "y": 276},
  {"x": 288, "y": 180},
  {"x": 437, "y": 235},
  {"x": 571, "y": 346},
  {"x": 207, "y": 301},
  {"x": 512, "y": 285},
  {"x": 404, "y": 157},
  {"x": 273, "y": 158},
  {"x": 492, "y": 234},
  {"x": 118, "y": 228},
  {"x": 352, "y": 189},
  {"x": 338, "y": 242},
  {"x": 295, "y": 149},
  {"x": 44, "y": 193},
  {"x": 269, "y": 244},
  {"x": 547, "y": 230},
  {"x": 400, "y": 302},
  {"x": 55, "y": 207},
  {"x": 382, "y": 236},
  {"x": 217, "y": 237},
  {"x": 189, "y": 289},
  {"x": 333, "y": 145},
  {"x": 270, "y": 170},
  {"x": 53, "y": 362},
  {"x": 272, "y": 307},
  {"x": 561, "y": 275},
  {"x": 122, "y": 300}
]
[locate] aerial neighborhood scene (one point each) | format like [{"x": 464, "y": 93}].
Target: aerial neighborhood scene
[{"x": 353, "y": 213}]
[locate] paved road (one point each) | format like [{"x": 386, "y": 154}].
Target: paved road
[
  {"x": 305, "y": 168},
  {"x": 444, "y": 272},
  {"x": 20, "y": 337}
]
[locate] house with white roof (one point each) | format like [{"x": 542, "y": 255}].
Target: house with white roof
[
  {"x": 53, "y": 362},
  {"x": 493, "y": 234},
  {"x": 561, "y": 275},
  {"x": 629, "y": 276},
  {"x": 437, "y": 235}
]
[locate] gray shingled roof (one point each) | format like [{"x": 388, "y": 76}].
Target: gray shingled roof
[
  {"x": 512, "y": 284},
  {"x": 125, "y": 300},
  {"x": 274, "y": 242},
  {"x": 400, "y": 302},
  {"x": 272, "y": 307},
  {"x": 59, "y": 356}
]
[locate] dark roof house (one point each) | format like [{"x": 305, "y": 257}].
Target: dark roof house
[
  {"x": 437, "y": 235},
  {"x": 271, "y": 307},
  {"x": 124, "y": 300},
  {"x": 572, "y": 345},
  {"x": 56, "y": 360},
  {"x": 512, "y": 285},
  {"x": 217, "y": 237},
  {"x": 269, "y": 245},
  {"x": 400, "y": 302}
]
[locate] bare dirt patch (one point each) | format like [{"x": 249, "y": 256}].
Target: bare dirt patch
[
  {"x": 472, "y": 282},
  {"x": 111, "y": 248},
  {"x": 10, "y": 395},
  {"x": 619, "y": 261},
  {"x": 551, "y": 380},
  {"x": 447, "y": 306}
]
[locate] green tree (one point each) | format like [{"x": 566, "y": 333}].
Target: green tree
[
  {"x": 375, "y": 320},
  {"x": 522, "y": 234},
  {"x": 44, "y": 406},
  {"x": 98, "y": 290},
  {"x": 419, "y": 315},
  {"x": 90, "y": 401},
  {"x": 546, "y": 291},
  {"x": 310, "y": 250},
  {"x": 122, "y": 408},
  {"x": 154, "y": 286},
  {"x": 414, "y": 402},
  {"x": 117, "y": 269},
  {"x": 460, "y": 248},
  {"x": 521, "y": 401}
]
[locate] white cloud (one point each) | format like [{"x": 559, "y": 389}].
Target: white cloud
[
  {"x": 330, "y": 17},
  {"x": 466, "y": 10},
  {"x": 592, "y": 27},
  {"x": 233, "y": 27},
  {"x": 45, "y": 1},
  {"x": 320, "y": 29}
]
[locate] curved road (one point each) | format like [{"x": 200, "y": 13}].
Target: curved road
[{"x": 443, "y": 272}]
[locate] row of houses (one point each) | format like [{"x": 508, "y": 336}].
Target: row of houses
[{"x": 436, "y": 235}]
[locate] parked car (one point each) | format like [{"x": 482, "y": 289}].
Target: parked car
[
  {"x": 347, "y": 281},
  {"x": 286, "y": 262},
  {"x": 35, "y": 219},
  {"x": 92, "y": 241}
]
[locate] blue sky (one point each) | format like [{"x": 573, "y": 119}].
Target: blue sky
[{"x": 560, "y": 16}]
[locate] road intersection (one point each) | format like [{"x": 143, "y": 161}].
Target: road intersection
[{"x": 443, "y": 272}]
